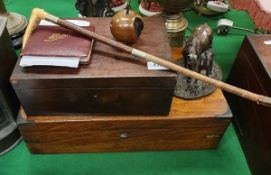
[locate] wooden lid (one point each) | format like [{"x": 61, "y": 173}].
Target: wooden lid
[{"x": 109, "y": 63}]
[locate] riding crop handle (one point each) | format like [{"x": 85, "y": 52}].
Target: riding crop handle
[{"x": 38, "y": 14}]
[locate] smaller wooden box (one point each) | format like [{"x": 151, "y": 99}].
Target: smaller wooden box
[
  {"x": 114, "y": 83},
  {"x": 197, "y": 124}
]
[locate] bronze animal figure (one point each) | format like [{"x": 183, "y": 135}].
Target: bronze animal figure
[
  {"x": 206, "y": 62},
  {"x": 197, "y": 53}
]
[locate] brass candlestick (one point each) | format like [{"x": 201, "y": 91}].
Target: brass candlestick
[
  {"x": 175, "y": 21},
  {"x": 16, "y": 25},
  {"x": 175, "y": 25}
]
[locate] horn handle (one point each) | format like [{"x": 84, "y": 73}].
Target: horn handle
[{"x": 36, "y": 15}]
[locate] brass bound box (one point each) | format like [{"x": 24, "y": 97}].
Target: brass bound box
[
  {"x": 113, "y": 83},
  {"x": 194, "y": 124}
]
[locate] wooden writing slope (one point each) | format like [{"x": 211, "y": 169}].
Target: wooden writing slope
[
  {"x": 113, "y": 83},
  {"x": 196, "y": 124}
]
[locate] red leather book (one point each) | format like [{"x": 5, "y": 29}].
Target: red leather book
[{"x": 52, "y": 45}]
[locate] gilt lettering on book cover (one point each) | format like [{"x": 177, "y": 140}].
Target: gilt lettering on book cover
[{"x": 52, "y": 45}]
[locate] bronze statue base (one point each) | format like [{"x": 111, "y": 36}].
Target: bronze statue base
[{"x": 195, "y": 88}]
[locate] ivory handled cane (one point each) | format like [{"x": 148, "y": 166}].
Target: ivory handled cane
[{"x": 39, "y": 14}]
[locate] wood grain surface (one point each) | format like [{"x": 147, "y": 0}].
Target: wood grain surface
[
  {"x": 196, "y": 124},
  {"x": 113, "y": 83},
  {"x": 108, "y": 61}
]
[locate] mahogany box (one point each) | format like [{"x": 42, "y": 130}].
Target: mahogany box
[
  {"x": 252, "y": 71},
  {"x": 113, "y": 83},
  {"x": 195, "y": 124}
]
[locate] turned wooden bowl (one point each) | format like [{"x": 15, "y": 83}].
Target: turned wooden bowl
[{"x": 126, "y": 26}]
